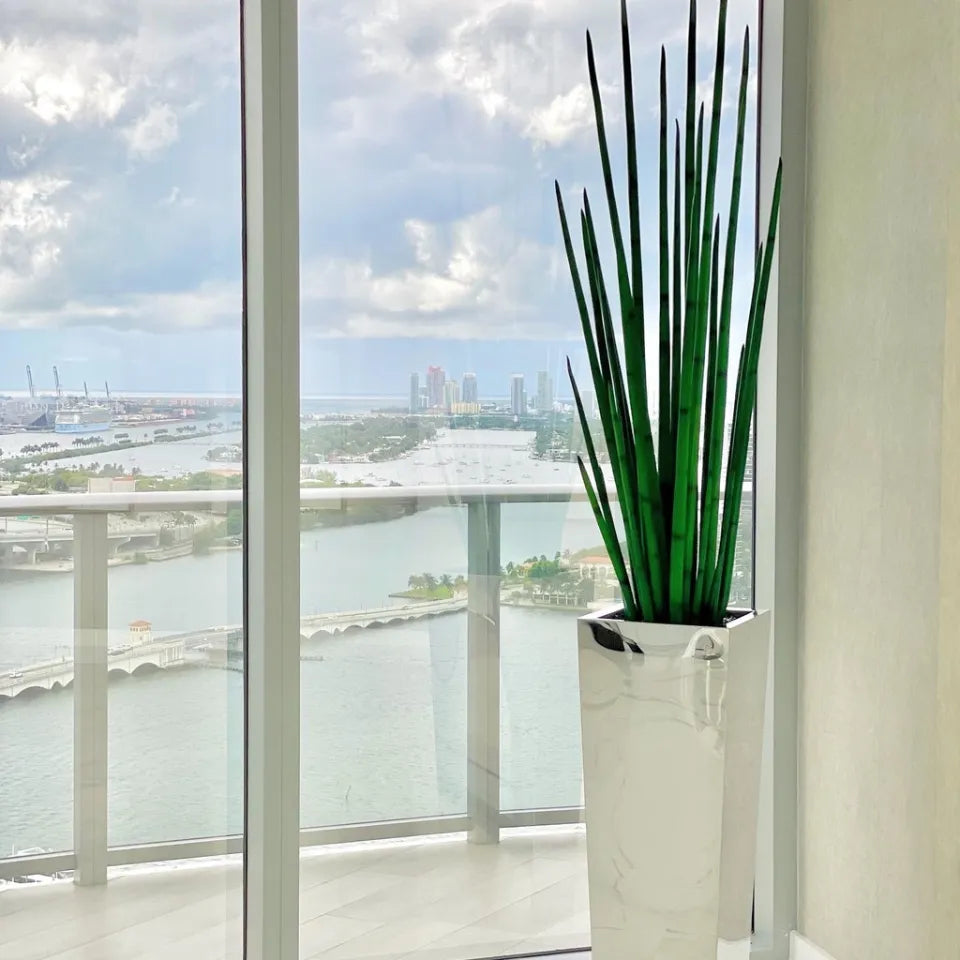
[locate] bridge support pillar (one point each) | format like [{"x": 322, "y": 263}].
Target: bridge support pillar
[
  {"x": 90, "y": 698},
  {"x": 483, "y": 671}
]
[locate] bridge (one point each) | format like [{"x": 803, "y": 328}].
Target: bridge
[
  {"x": 21, "y": 539},
  {"x": 216, "y": 645},
  {"x": 333, "y": 623}
]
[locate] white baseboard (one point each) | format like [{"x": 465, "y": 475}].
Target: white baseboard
[{"x": 802, "y": 949}]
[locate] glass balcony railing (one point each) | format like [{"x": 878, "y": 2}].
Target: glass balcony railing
[
  {"x": 441, "y": 668},
  {"x": 486, "y": 696}
]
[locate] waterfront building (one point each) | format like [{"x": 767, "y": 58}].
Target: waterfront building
[
  {"x": 141, "y": 631},
  {"x": 544, "y": 392},
  {"x": 435, "y": 381},
  {"x": 518, "y": 396},
  {"x": 414, "y": 393},
  {"x": 469, "y": 394},
  {"x": 451, "y": 395}
]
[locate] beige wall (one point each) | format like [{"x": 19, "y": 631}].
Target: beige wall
[{"x": 879, "y": 813}]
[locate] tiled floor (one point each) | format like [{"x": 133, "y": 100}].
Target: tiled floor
[{"x": 436, "y": 899}]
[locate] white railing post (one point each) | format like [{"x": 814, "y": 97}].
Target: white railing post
[
  {"x": 483, "y": 670},
  {"x": 90, "y": 697}
]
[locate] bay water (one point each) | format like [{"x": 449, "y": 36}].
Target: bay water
[{"x": 383, "y": 710}]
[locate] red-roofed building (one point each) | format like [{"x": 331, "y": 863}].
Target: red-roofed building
[{"x": 595, "y": 568}]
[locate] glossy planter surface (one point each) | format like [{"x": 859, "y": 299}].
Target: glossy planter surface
[{"x": 672, "y": 727}]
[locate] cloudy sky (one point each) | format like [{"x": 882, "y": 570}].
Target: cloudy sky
[{"x": 431, "y": 132}]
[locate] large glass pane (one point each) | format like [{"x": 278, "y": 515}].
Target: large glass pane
[
  {"x": 446, "y": 551},
  {"x": 120, "y": 374},
  {"x": 400, "y": 686}
]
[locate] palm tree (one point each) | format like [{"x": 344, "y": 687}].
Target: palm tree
[
  {"x": 429, "y": 581},
  {"x": 446, "y": 581}
]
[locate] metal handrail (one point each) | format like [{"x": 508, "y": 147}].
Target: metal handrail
[{"x": 331, "y": 497}]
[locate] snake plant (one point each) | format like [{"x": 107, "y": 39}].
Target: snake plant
[{"x": 675, "y": 560}]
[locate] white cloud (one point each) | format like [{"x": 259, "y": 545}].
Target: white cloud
[
  {"x": 564, "y": 117},
  {"x": 505, "y": 58},
  {"x": 475, "y": 277},
  {"x": 24, "y": 152},
  {"x": 153, "y": 131},
  {"x": 92, "y": 61},
  {"x": 31, "y": 226},
  {"x": 212, "y": 304},
  {"x": 175, "y": 198},
  {"x": 57, "y": 81},
  {"x": 521, "y": 62},
  {"x": 455, "y": 92}
]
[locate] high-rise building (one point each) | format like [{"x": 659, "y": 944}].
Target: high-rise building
[
  {"x": 470, "y": 388},
  {"x": 451, "y": 395},
  {"x": 414, "y": 392},
  {"x": 544, "y": 392},
  {"x": 589, "y": 400},
  {"x": 435, "y": 381},
  {"x": 518, "y": 396}
]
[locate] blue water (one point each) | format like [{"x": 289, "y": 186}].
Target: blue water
[{"x": 383, "y": 714}]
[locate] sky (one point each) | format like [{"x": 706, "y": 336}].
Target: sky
[{"x": 431, "y": 132}]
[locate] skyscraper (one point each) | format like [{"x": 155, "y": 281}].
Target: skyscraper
[
  {"x": 435, "y": 381},
  {"x": 589, "y": 400},
  {"x": 451, "y": 395},
  {"x": 544, "y": 392},
  {"x": 470, "y": 388},
  {"x": 414, "y": 393},
  {"x": 518, "y": 396}
]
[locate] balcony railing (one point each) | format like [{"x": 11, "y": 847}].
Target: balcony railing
[{"x": 91, "y": 854}]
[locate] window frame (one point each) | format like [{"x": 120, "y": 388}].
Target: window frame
[{"x": 269, "y": 55}]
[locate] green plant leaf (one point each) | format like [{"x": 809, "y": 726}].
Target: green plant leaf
[
  {"x": 610, "y": 541},
  {"x": 676, "y": 562},
  {"x": 712, "y": 415},
  {"x": 691, "y": 117},
  {"x": 665, "y": 415},
  {"x": 741, "y": 425},
  {"x": 620, "y": 420},
  {"x": 711, "y": 510},
  {"x": 600, "y": 486},
  {"x": 681, "y": 545}
]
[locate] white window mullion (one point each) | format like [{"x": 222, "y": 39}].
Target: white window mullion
[
  {"x": 782, "y": 118},
  {"x": 272, "y": 477}
]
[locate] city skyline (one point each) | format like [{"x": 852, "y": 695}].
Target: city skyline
[{"x": 443, "y": 391}]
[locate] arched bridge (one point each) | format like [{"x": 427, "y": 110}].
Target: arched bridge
[
  {"x": 332, "y": 623},
  {"x": 213, "y": 645}
]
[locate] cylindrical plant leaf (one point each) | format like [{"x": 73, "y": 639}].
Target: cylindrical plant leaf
[{"x": 676, "y": 562}]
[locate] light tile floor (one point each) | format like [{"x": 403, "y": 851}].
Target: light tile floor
[{"x": 434, "y": 899}]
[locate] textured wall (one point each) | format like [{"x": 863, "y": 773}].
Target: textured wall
[{"x": 879, "y": 681}]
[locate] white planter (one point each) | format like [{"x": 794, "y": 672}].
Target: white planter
[{"x": 672, "y": 738}]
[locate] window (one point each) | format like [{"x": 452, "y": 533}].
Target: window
[
  {"x": 120, "y": 375},
  {"x": 444, "y": 546}
]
